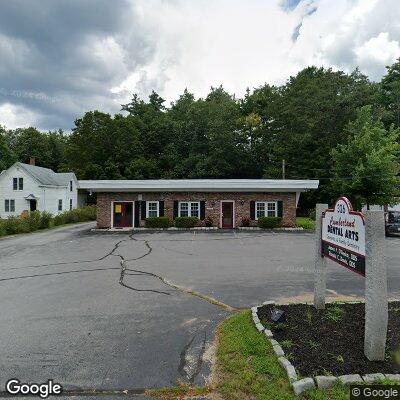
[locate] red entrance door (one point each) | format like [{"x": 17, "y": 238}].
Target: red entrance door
[
  {"x": 123, "y": 215},
  {"x": 227, "y": 214}
]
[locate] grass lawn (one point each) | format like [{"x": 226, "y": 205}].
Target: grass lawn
[
  {"x": 305, "y": 222},
  {"x": 248, "y": 368}
]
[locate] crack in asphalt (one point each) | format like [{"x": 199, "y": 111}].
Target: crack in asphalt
[
  {"x": 123, "y": 262},
  {"x": 184, "y": 363}
]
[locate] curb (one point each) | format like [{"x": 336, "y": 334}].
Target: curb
[{"x": 322, "y": 382}]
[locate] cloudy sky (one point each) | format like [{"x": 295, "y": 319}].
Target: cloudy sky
[{"x": 60, "y": 58}]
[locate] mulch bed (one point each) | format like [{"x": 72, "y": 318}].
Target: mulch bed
[{"x": 331, "y": 341}]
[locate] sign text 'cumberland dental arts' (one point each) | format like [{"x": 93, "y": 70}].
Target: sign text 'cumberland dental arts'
[{"x": 343, "y": 236}]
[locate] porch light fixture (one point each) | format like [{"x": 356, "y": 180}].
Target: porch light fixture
[{"x": 241, "y": 202}]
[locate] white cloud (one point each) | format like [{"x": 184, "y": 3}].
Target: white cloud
[
  {"x": 13, "y": 116},
  {"x": 168, "y": 45}
]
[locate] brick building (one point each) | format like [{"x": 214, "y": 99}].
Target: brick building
[{"x": 222, "y": 202}]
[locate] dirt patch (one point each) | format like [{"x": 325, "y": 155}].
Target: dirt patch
[{"x": 331, "y": 341}]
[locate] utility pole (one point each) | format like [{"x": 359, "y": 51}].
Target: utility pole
[{"x": 283, "y": 169}]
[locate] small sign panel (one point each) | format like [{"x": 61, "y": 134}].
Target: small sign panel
[
  {"x": 118, "y": 208},
  {"x": 343, "y": 236}
]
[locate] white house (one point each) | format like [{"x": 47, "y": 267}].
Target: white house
[{"x": 26, "y": 187}]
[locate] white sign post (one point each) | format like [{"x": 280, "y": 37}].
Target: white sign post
[
  {"x": 376, "y": 301},
  {"x": 319, "y": 262},
  {"x": 357, "y": 243}
]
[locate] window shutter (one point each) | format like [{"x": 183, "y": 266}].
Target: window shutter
[
  {"x": 280, "y": 208},
  {"x": 202, "y": 209},
  {"x": 176, "y": 205},
  {"x": 161, "y": 208},
  {"x": 252, "y": 210},
  {"x": 137, "y": 217},
  {"x": 143, "y": 210}
]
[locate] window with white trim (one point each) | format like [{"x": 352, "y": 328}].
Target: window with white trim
[
  {"x": 60, "y": 205},
  {"x": 189, "y": 209},
  {"x": 152, "y": 209},
  {"x": 9, "y": 205},
  {"x": 266, "y": 209},
  {"x": 70, "y": 204},
  {"x": 18, "y": 183}
]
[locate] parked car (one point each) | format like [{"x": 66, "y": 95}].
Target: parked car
[{"x": 392, "y": 224}]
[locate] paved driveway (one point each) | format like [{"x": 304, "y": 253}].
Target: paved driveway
[{"x": 115, "y": 311}]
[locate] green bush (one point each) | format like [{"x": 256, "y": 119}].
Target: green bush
[
  {"x": 269, "y": 222},
  {"x": 87, "y": 213},
  {"x": 42, "y": 220},
  {"x": 14, "y": 225},
  {"x": 305, "y": 223},
  {"x": 3, "y": 231},
  {"x": 45, "y": 220},
  {"x": 312, "y": 214},
  {"x": 157, "y": 222},
  {"x": 33, "y": 221},
  {"x": 186, "y": 222}
]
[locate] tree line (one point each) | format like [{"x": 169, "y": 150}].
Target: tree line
[{"x": 342, "y": 129}]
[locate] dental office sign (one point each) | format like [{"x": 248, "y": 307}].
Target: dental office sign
[{"x": 343, "y": 236}]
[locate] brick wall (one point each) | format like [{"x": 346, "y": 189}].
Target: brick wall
[{"x": 213, "y": 206}]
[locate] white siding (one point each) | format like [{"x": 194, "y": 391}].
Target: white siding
[{"x": 47, "y": 196}]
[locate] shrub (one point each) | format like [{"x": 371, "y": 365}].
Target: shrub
[
  {"x": 14, "y": 225},
  {"x": 157, "y": 222},
  {"x": 305, "y": 223},
  {"x": 2, "y": 228},
  {"x": 245, "y": 221},
  {"x": 45, "y": 220},
  {"x": 269, "y": 222},
  {"x": 186, "y": 222},
  {"x": 312, "y": 214},
  {"x": 32, "y": 220}
]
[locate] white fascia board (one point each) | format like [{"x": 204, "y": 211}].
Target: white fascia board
[{"x": 198, "y": 185}]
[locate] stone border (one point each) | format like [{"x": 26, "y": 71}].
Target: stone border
[{"x": 322, "y": 382}]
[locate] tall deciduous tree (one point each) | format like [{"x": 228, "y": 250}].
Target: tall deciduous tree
[{"x": 366, "y": 168}]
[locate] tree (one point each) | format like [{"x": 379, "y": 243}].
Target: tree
[
  {"x": 7, "y": 158},
  {"x": 391, "y": 93},
  {"x": 366, "y": 167}
]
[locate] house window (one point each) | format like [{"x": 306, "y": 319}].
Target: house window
[
  {"x": 9, "y": 205},
  {"x": 60, "y": 205},
  {"x": 70, "y": 186},
  {"x": 266, "y": 209},
  {"x": 70, "y": 204},
  {"x": 152, "y": 209},
  {"x": 18, "y": 183},
  {"x": 189, "y": 209}
]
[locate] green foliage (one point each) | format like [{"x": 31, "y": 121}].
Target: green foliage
[
  {"x": 42, "y": 220},
  {"x": 366, "y": 167},
  {"x": 87, "y": 213},
  {"x": 248, "y": 368},
  {"x": 269, "y": 222},
  {"x": 157, "y": 222},
  {"x": 45, "y": 220},
  {"x": 334, "y": 313},
  {"x": 305, "y": 223},
  {"x": 220, "y": 136},
  {"x": 186, "y": 222},
  {"x": 312, "y": 214}
]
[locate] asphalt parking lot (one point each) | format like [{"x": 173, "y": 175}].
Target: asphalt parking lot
[{"x": 114, "y": 311}]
